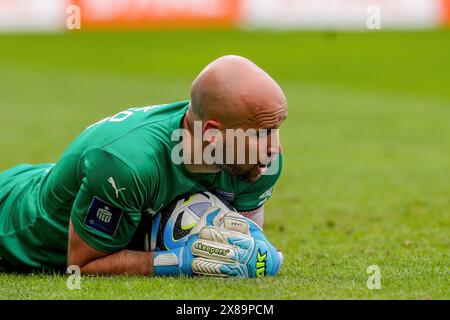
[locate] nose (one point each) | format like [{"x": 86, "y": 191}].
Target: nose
[{"x": 270, "y": 149}]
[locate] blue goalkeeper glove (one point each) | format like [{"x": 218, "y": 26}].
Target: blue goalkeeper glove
[{"x": 222, "y": 244}]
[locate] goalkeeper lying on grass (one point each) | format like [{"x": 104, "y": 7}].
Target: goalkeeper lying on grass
[{"x": 85, "y": 209}]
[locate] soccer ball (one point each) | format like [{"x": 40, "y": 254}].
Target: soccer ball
[
  {"x": 171, "y": 226},
  {"x": 179, "y": 218}
]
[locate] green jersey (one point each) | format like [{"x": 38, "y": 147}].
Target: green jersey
[{"x": 113, "y": 173}]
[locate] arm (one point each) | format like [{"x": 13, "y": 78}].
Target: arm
[
  {"x": 104, "y": 219},
  {"x": 92, "y": 261},
  {"x": 189, "y": 259}
]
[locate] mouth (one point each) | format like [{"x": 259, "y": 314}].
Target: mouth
[{"x": 262, "y": 168}]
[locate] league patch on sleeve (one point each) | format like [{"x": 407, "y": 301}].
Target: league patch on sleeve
[{"x": 103, "y": 217}]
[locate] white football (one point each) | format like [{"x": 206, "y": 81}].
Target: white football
[{"x": 173, "y": 224}]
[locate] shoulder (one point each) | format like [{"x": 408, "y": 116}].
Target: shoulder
[
  {"x": 130, "y": 130},
  {"x": 149, "y": 140},
  {"x": 98, "y": 163},
  {"x": 112, "y": 177}
]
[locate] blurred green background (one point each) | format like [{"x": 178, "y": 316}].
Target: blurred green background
[{"x": 366, "y": 143}]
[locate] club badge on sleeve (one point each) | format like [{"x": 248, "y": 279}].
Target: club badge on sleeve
[{"x": 103, "y": 217}]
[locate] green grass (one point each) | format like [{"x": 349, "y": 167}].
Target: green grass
[{"x": 367, "y": 150}]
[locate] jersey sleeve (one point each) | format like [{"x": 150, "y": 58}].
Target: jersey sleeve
[
  {"x": 257, "y": 193},
  {"x": 107, "y": 209}
]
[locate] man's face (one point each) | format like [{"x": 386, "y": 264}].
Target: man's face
[{"x": 255, "y": 149}]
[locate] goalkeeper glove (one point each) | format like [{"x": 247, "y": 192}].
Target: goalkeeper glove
[{"x": 222, "y": 244}]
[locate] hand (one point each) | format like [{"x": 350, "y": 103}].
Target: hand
[{"x": 223, "y": 244}]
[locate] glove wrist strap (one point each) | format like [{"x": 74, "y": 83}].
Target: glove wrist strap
[{"x": 167, "y": 263}]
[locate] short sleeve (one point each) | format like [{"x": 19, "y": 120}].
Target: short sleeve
[
  {"x": 257, "y": 193},
  {"x": 107, "y": 209}
]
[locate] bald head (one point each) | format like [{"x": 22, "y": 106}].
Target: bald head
[{"x": 236, "y": 92}]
